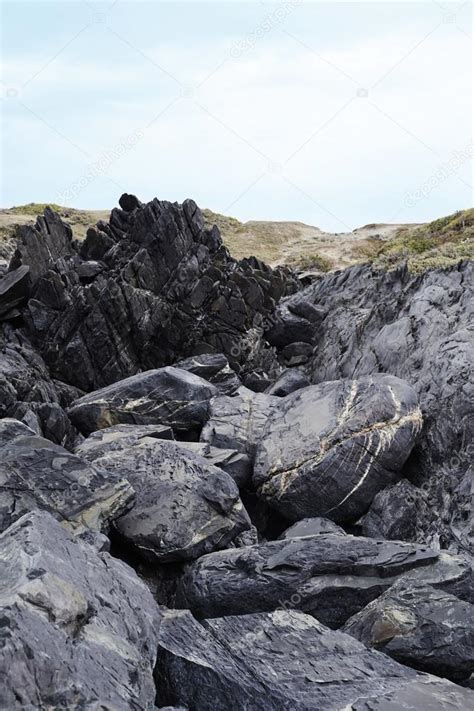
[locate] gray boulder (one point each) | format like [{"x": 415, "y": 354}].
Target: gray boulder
[
  {"x": 213, "y": 367},
  {"x": 329, "y": 576},
  {"x": 284, "y": 661},
  {"x": 290, "y": 380},
  {"x": 312, "y": 527},
  {"x": 419, "y": 626},
  {"x": 166, "y": 396},
  {"x": 238, "y": 422},
  {"x": 117, "y": 437},
  {"x": 184, "y": 506},
  {"x": 37, "y": 474},
  {"x": 10, "y": 429},
  {"x": 328, "y": 449},
  {"x": 79, "y": 628}
]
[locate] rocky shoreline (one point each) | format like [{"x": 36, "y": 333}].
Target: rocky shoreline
[{"x": 220, "y": 488}]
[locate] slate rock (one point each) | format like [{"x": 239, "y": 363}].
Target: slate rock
[
  {"x": 213, "y": 367},
  {"x": 14, "y": 289},
  {"x": 117, "y": 437},
  {"x": 165, "y": 396},
  {"x": 37, "y": 474},
  {"x": 283, "y": 660},
  {"x": 289, "y": 381},
  {"x": 184, "y": 506},
  {"x": 421, "y": 627},
  {"x": 238, "y": 422},
  {"x": 79, "y": 628},
  {"x": 328, "y": 449},
  {"x": 328, "y": 575},
  {"x": 394, "y": 513},
  {"x": 10, "y": 429},
  {"x": 237, "y": 464},
  {"x": 312, "y": 527}
]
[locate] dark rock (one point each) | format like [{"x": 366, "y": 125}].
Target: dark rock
[
  {"x": 213, "y": 367},
  {"x": 10, "y": 429},
  {"x": 416, "y": 327},
  {"x": 117, "y": 437},
  {"x": 440, "y": 512},
  {"x": 42, "y": 245},
  {"x": 166, "y": 396},
  {"x": 312, "y": 527},
  {"x": 14, "y": 289},
  {"x": 184, "y": 506},
  {"x": 285, "y": 661},
  {"x": 420, "y": 626},
  {"x": 330, "y": 576},
  {"x": 169, "y": 290},
  {"x": 129, "y": 203},
  {"x": 87, "y": 271},
  {"x": 238, "y": 422},
  {"x": 295, "y": 320},
  {"x": 328, "y": 449},
  {"x": 37, "y": 474},
  {"x": 289, "y": 381},
  {"x": 297, "y": 353},
  {"x": 234, "y": 463},
  {"x": 79, "y": 628}
]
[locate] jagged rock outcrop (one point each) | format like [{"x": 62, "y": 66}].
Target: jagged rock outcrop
[
  {"x": 168, "y": 289},
  {"x": 184, "y": 506},
  {"x": 285, "y": 661},
  {"x": 37, "y": 474},
  {"x": 79, "y": 628},
  {"x": 328, "y": 449},
  {"x": 329, "y": 576},
  {"x": 420, "y": 626}
]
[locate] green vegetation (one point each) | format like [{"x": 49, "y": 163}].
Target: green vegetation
[
  {"x": 312, "y": 262},
  {"x": 440, "y": 243},
  {"x": 35, "y": 208}
]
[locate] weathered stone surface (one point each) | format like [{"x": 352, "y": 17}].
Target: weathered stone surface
[
  {"x": 215, "y": 368},
  {"x": 236, "y": 464},
  {"x": 415, "y": 327},
  {"x": 184, "y": 506},
  {"x": 14, "y": 289},
  {"x": 329, "y": 576},
  {"x": 420, "y": 626},
  {"x": 289, "y": 381},
  {"x": 165, "y": 396},
  {"x": 285, "y": 661},
  {"x": 312, "y": 527},
  {"x": 10, "y": 429},
  {"x": 37, "y": 474},
  {"x": 117, "y": 437},
  {"x": 238, "y": 422},
  {"x": 440, "y": 512},
  {"x": 168, "y": 290},
  {"x": 79, "y": 628},
  {"x": 328, "y": 449}
]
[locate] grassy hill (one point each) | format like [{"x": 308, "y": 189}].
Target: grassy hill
[{"x": 423, "y": 246}]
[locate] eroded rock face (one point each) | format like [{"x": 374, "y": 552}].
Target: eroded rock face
[
  {"x": 328, "y": 449},
  {"x": 168, "y": 289},
  {"x": 414, "y": 327},
  {"x": 79, "y": 628},
  {"x": 184, "y": 506},
  {"x": 419, "y": 626},
  {"x": 286, "y": 661},
  {"x": 329, "y": 576},
  {"x": 165, "y": 396},
  {"x": 117, "y": 437},
  {"x": 37, "y": 474}
]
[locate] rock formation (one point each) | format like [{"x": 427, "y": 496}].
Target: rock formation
[{"x": 220, "y": 488}]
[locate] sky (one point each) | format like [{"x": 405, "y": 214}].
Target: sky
[{"x": 336, "y": 114}]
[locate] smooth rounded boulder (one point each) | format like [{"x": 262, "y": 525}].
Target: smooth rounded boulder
[
  {"x": 328, "y": 449},
  {"x": 165, "y": 396},
  {"x": 184, "y": 505}
]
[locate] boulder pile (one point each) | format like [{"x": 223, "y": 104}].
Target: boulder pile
[{"x": 220, "y": 489}]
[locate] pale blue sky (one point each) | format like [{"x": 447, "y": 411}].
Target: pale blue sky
[{"x": 335, "y": 114}]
